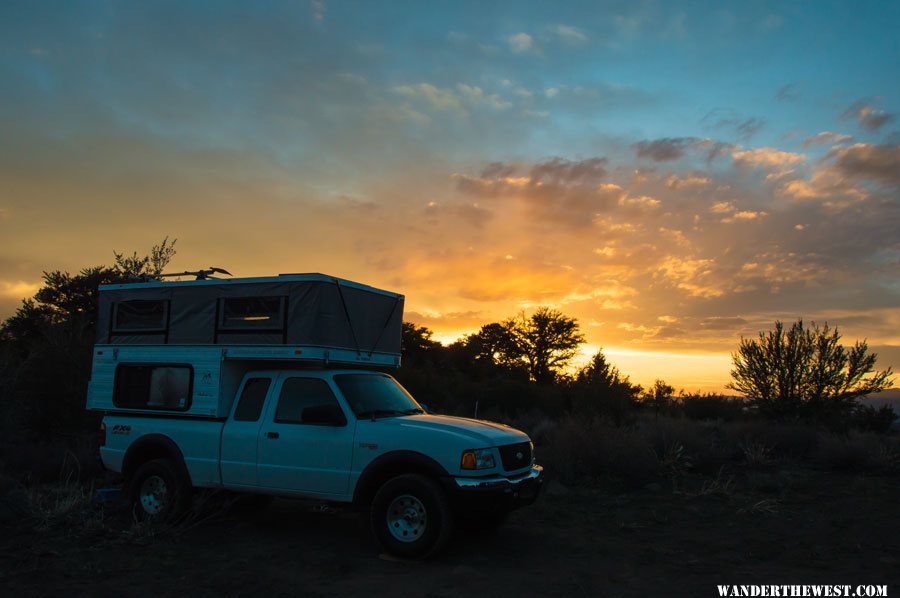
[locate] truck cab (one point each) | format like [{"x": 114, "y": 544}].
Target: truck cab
[{"x": 295, "y": 419}]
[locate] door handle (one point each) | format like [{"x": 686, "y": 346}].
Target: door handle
[{"x": 272, "y": 435}]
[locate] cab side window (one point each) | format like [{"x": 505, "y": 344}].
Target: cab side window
[
  {"x": 308, "y": 401},
  {"x": 252, "y": 398}
]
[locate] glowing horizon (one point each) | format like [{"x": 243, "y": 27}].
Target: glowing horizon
[{"x": 674, "y": 177}]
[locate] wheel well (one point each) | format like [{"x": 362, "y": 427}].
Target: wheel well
[
  {"x": 391, "y": 465},
  {"x": 148, "y": 448}
]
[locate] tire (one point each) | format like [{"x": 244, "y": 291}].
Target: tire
[
  {"x": 411, "y": 517},
  {"x": 159, "y": 491}
]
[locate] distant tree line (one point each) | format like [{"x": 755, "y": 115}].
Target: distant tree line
[{"x": 520, "y": 364}]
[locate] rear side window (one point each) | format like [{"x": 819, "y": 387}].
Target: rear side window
[
  {"x": 250, "y": 405},
  {"x": 308, "y": 401},
  {"x": 140, "y": 316},
  {"x": 165, "y": 387}
]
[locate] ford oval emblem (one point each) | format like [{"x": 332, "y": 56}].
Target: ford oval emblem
[{"x": 519, "y": 455}]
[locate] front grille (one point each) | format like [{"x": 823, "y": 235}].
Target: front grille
[{"x": 515, "y": 456}]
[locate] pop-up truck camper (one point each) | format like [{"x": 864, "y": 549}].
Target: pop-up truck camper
[{"x": 276, "y": 386}]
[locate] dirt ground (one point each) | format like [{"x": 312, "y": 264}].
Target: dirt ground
[{"x": 803, "y": 527}]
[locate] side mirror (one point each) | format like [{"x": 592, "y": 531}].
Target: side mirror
[
  {"x": 323, "y": 415},
  {"x": 424, "y": 407}
]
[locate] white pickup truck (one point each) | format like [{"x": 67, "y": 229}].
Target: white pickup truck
[
  {"x": 277, "y": 418},
  {"x": 349, "y": 436}
]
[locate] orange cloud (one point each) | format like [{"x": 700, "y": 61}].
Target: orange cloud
[{"x": 766, "y": 157}]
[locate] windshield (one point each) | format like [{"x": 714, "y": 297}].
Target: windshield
[{"x": 375, "y": 395}]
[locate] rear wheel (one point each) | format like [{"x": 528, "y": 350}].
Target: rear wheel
[
  {"x": 159, "y": 491},
  {"x": 411, "y": 516}
]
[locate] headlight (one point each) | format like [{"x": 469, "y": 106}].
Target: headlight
[{"x": 480, "y": 459}]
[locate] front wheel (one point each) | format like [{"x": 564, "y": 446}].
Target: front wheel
[
  {"x": 411, "y": 516},
  {"x": 159, "y": 492}
]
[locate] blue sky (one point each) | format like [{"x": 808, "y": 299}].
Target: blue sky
[{"x": 675, "y": 175}]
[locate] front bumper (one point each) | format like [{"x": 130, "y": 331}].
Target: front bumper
[{"x": 513, "y": 492}]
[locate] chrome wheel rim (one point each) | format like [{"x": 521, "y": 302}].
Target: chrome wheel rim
[
  {"x": 153, "y": 495},
  {"x": 406, "y": 518}
]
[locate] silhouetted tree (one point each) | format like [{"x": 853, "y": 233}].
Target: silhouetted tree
[
  {"x": 805, "y": 370},
  {"x": 659, "y": 396},
  {"x": 496, "y": 347},
  {"x": 548, "y": 340},
  {"x": 45, "y": 347},
  {"x": 416, "y": 344},
  {"x": 149, "y": 266},
  {"x": 73, "y": 299},
  {"x": 540, "y": 345},
  {"x": 599, "y": 387}
]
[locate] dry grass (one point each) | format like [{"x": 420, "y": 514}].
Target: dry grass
[
  {"x": 756, "y": 454},
  {"x": 721, "y": 486},
  {"x": 766, "y": 506}
]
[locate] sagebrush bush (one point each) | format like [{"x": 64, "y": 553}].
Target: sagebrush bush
[
  {"x": 858, "y": 451},
  {"x": 783, "y": 439},
  {"x": 873, "y": 419},
  {"x": 582, "y": 451},
  {"x": 711, "y": 406}
]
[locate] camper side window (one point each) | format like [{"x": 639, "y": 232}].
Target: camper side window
[
  {"x": 140, "y": 316},
  {"x": 252, "y": 313},
  {"x": 153, "y": 387}
]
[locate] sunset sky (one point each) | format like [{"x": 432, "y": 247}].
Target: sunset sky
[{"x": 673, "y": 175}]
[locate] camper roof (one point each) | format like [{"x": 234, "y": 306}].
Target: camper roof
[
  {"x": 300, "y": 310},
  {"x": 304, "y": 277}
]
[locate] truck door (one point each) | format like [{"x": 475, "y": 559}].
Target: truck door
[
  {"x": 306, "y": 441},
  {"x": 240, "y": 438}
]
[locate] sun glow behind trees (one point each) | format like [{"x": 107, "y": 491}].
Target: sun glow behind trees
[{"x": 607, "y": 160}]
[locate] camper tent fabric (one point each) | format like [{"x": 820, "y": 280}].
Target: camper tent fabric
[{"x": 318, "y": 311}]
